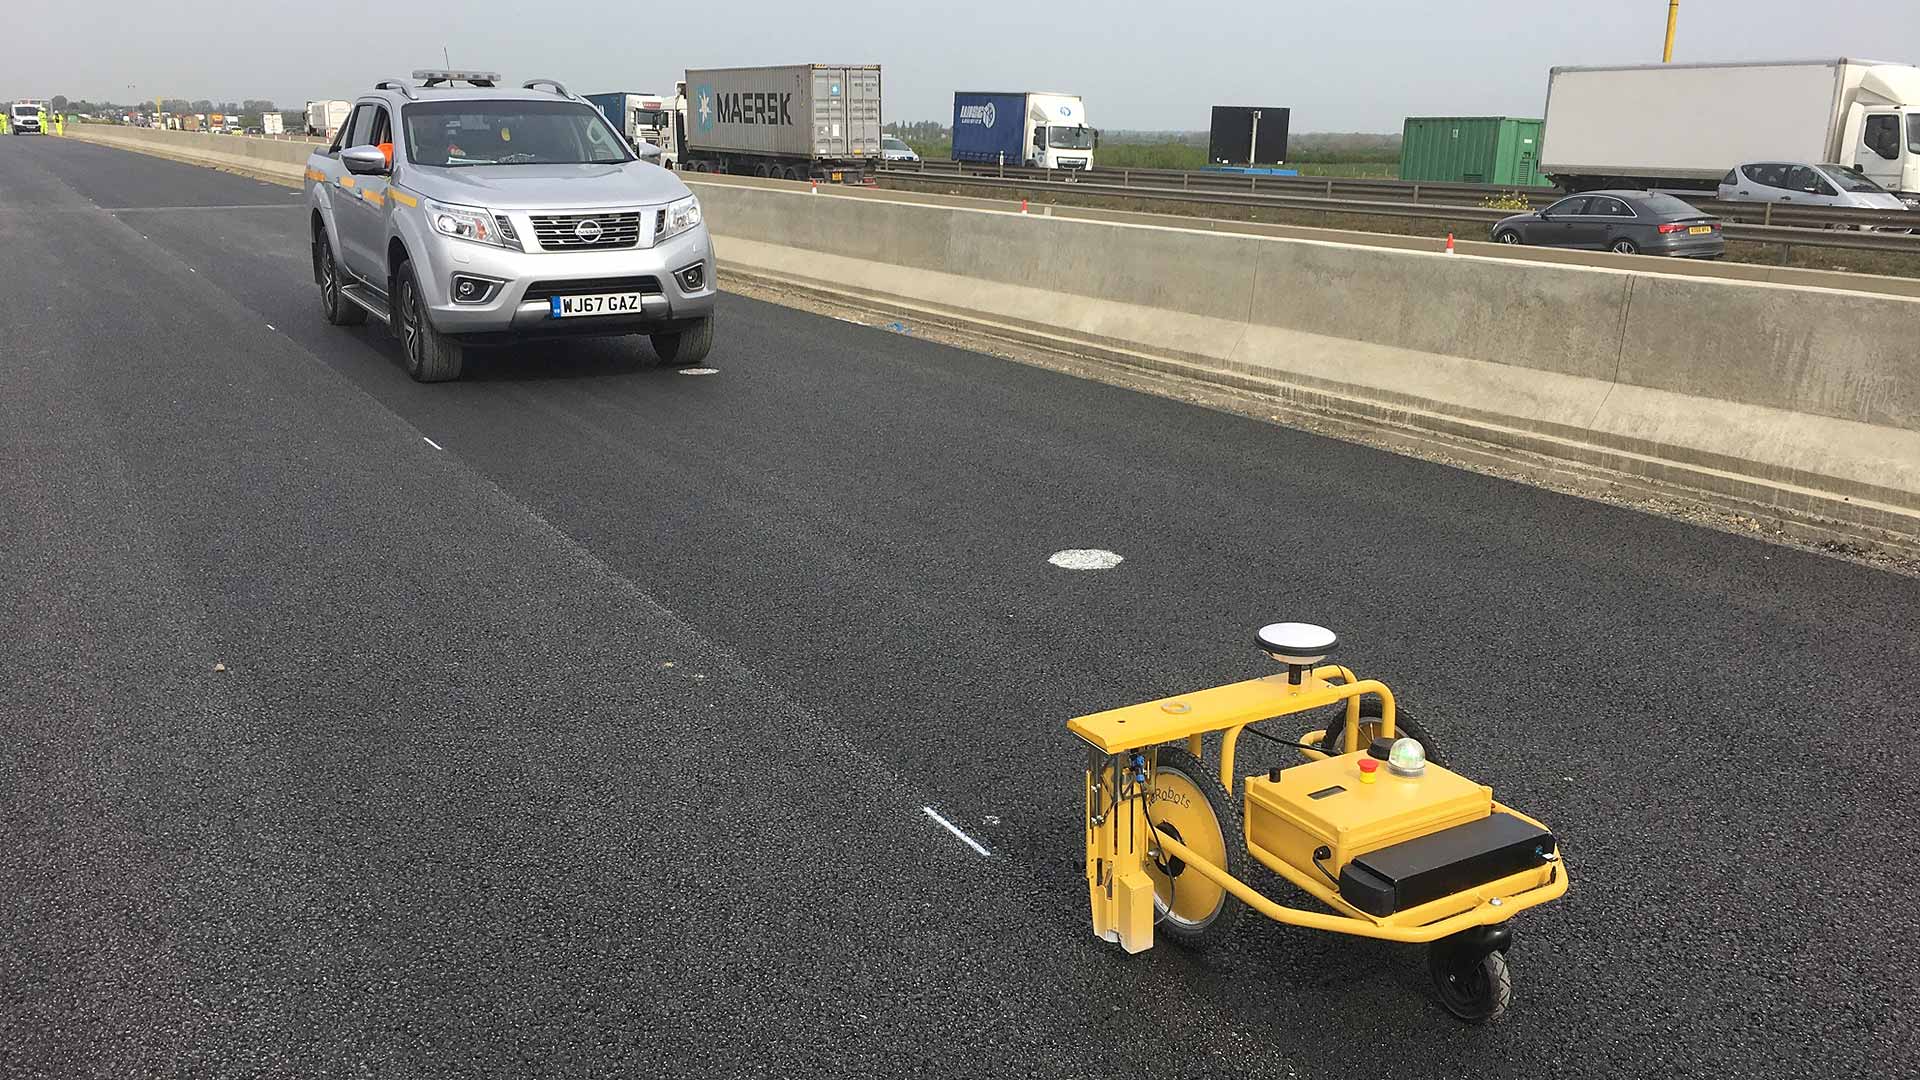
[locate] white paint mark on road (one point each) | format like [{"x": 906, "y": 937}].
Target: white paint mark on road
[
  {"x": 191, "y": 270},
  {"x": 699, "y": 371},
  {"x": 955, "y": 830},
  {"x": 1085, "y": 559},
  {"x": 270, "y": 326},
  {"x": 431, "y": 443}
]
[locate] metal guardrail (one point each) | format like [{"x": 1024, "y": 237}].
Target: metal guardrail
[{"x": 1753, "y": 222}]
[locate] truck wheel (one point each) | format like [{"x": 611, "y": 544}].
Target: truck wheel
[
  {"x": 337, "y": 309},
  {"x": 685, "y": 348},
  {"x": 430, "y": 355}
]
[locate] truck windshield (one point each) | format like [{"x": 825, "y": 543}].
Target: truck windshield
[
  {"x": 26, "y": 110},
  {"x": 455, "y": 134},
  {"x": 650, "y": 119},
  {"x": 1070, "y": 138}
]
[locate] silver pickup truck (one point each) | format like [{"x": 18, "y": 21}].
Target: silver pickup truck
[{"x": 471, "y": 214}]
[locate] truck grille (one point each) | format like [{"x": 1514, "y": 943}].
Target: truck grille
[
  {"x": 547, "y": 290},
  {"x": 586, "y": 232}
]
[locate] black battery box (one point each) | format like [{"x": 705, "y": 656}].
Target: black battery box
[{"x": 1413, "y": 872}]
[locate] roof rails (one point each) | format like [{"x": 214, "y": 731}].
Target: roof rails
[
  {"x": 401, "y": 85},
  {"x": 535, "y": 84},
  {"x": 482, "y": 79}
]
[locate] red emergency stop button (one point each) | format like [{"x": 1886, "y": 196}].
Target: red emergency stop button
[{"x": 1368, "y": 767}]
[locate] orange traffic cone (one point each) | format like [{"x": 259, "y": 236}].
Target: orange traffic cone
[
  {"x": 816, "y": 186},
  {"x": 1023, "y": 204},
  {"x": 1449, "y": 243}
]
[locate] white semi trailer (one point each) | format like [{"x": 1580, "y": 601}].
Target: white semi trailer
[{"x": 1686, "y": 125}]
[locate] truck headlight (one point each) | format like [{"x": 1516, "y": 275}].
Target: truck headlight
[
  {"x": 467, "y": 223},
  {"x": 680, "y": 216}
]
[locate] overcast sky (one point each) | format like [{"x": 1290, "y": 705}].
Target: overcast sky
[{"x": 1356, "y": 65}]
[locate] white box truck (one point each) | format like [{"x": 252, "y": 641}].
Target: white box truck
[
  {"x": 271, "y": 123},
  {"x": 797, "y": 122},
  {"x": 325, "y": 117},
  {"x": 1686, "y": 125}
]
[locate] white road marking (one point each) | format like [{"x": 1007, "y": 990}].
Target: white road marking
[
  {"x": 955, "y": 830},
  {"x": 271, "y": 327},
  {"x": 431, "y": 443},
  {"x": 1085, "y": 559},
  {"x": 699, "y": 371}
]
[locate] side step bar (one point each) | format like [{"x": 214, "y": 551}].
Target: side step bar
[{"x": 365, "y": 297}]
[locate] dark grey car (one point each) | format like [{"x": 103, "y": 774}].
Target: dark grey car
[{"x": 1622, "y": 221}]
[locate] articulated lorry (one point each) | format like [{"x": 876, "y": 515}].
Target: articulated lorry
[
  {"x": 1685, "y": 125},
  {"x": 798, "y": 122},
  {"x": 1044, "y": 130}
]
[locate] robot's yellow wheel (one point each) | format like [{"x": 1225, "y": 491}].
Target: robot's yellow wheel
[{"x": 1188, "y": 801}]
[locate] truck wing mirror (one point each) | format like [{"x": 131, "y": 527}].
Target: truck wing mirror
[{"x": 365, "y": 161}]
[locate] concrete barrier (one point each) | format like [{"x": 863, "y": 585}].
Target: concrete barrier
[
  {"x": 1804, "y": 400},
  {"x": 273, "y": 160},
  {"x": 1800, "y": 396}
]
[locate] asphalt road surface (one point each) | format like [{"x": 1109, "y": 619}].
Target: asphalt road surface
[{"x": 591, "y": 737}]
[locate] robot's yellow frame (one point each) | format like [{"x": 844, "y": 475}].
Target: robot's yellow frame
[{"x": 1121, "y": 842}]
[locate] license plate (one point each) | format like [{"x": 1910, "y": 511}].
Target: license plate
[
  {"x": 1700, "y": 230},
  {"x": 623, "y": 303}
]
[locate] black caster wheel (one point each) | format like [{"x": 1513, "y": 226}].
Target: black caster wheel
[{"x": 1475, "y": 990}]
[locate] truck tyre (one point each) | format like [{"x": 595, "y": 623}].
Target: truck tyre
[
  {"x": 337, "y": 309},
  {"x": 430, "y": 355},
  {"x": 685, "y": 348}
]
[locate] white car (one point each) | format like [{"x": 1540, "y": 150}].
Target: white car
[
  {"x": 1801, "y": 184},
  {"x": 893, "y": 148}
]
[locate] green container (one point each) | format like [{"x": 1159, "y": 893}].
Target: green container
[{"x": 1502, "y": 150}]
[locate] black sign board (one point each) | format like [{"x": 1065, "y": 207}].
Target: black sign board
[{"x": 1247, "y": 136}]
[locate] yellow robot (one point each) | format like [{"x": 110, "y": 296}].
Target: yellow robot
[{"x": 1371, "y": 825}]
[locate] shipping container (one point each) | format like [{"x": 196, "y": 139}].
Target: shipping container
[
  {"x": 797, "y": 112},
  {"x": 1239, "y": 135},
  {"x": 1502, "y": 150}
]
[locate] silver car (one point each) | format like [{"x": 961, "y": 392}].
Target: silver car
[
  {"x": 463, "y": 214},
  {"x": 1802, "y": 184},
  {"x": 894, "y": 148}
]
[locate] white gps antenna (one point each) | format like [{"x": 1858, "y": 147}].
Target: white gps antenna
[{"x": 1296, "y": 644}]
